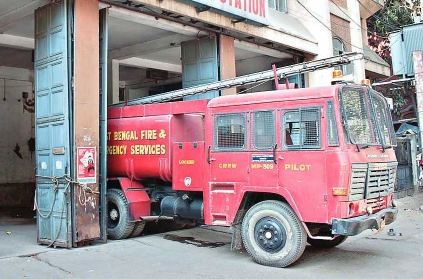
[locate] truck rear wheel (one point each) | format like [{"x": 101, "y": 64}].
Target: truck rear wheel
[
  {"x": 327, "y": 243},
  {"x": 272, "y": 234},
  {"x": 118, "y": 224}
]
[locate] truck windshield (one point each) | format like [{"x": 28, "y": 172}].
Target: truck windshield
[{"x": 366, "y": 117}]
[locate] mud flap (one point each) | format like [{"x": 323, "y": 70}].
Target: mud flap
[
  {"x": 236, "y": 243},
  {"x": 382, "y": 227}
]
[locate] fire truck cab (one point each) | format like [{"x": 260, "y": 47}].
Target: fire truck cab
[{"x": 282, "y": 168}]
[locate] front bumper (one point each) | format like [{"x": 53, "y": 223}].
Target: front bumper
[{"x": 356, "y": 225}]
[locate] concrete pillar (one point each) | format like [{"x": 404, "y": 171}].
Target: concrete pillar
[
  {"x": 227, "y": 61},
  {"x": 113, "y": 81},
  {"x": 364, "y": 32},
  {"x": 86, "y": 113},
  {"x": 356, "y": 39}
]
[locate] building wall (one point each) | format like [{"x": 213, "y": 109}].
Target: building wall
[
  {"x": 270, "y": 34},
  {"x": 17, "y": 163},
  {"x": 320, "y": 21},
  {"x": 341, "y": 3},
  {"x": 137, "y": 93},
  {"x": 346, "y": 24},
  {"x": 253, "y": 65},
  {"x": 341, "y": 28},
  {"x": 316, "y": 18},
  {"x": 357, "y": 39}
]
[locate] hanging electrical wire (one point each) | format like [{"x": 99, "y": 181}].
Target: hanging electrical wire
[
  {"x": 333, "y": 32},
  {"x": 327, "y": 27}
]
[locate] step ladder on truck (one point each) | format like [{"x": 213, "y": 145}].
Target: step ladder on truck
[{"x": 281, "y": 168}]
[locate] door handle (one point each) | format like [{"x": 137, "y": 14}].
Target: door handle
[
  {"x": 274, "y": 153},
  {"x": 209, "y": 160}
]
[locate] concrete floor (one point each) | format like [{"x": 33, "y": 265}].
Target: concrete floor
[
  {"x": 204, "y": 252},
  {"x": 18, "y": 233}
]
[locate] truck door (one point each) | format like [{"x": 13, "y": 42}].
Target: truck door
[
  {"x": 302, "y": 163},
  {"x": 228, "y": 161}
]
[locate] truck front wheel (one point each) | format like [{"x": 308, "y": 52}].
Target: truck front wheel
[
  {"x": 118, "y": 224},
  {"x": 272, "y": 234}
]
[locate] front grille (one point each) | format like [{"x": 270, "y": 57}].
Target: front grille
[
  {"x": 358, "y": 182},
  {"x": 376, "y": 203},
  {"x": 372, "y": 181},
  {"x": 380, "y": 181}
]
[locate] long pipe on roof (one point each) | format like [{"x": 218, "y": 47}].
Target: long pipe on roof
[
  {"x": 291, "y": 70},
  {"x": 392, "y": 81}
]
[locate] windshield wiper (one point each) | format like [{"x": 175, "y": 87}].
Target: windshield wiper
[
  {"x": 363, "y": 147},
  {"x": 384, "y": 147}
]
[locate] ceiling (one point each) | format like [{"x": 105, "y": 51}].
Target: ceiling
[{"x": 138, "y": 41}]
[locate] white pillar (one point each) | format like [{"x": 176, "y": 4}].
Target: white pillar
[
  {"x": 356, "y": 39},
  {"x": 113, "y": 82}
]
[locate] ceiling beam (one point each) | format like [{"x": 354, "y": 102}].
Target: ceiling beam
[
  {"x": 11, "y": 17},
  {"x": 156, "y": 22},
  {"x": 261, "y": 49},
  {"x": 145, "y": 63},
  {"x": 16, "y": 42},
  {"x": 148, "y": 47}
]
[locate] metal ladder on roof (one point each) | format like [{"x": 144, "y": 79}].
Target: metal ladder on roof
[{"x": 282, "y": 72}]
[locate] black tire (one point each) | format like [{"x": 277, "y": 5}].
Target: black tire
[
  {"x": 272, "y": 234},
  {"x": 327, "y": 243},
  {"x": 118, "y": 224},
  {"x": 138, "y": 228}
]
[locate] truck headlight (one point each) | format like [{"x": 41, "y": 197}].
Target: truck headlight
[{"x": 369, "y": 210}]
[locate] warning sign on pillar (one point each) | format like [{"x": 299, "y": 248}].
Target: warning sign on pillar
[{"x": 86, "y": 165}]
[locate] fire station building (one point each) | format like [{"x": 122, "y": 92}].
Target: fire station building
[{"x": 63, "y": 61}]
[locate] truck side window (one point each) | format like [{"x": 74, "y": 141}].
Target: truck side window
[
  {"x": 263, "y": 130},
  {"x": 302, "y": 128},
  {"x": 229, "y": 132},
  {"x": 332, "y": 132}
]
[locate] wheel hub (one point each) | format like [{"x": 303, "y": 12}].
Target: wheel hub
[
  {"x": 270, "y": 234},
  {"x": 114, "y": 214}
]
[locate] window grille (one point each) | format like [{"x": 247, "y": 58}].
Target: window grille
[
  {"x": 361, "y": 125},
  {"x": 263, "y": 131},
  {"x": 302, "y": 128},
  {"x": 229, "y": 131},
  {"x": 383, "y": 117},
  {"x": 332, "y": 133}
]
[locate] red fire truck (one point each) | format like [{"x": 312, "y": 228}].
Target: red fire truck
[{"x": 282, "y": 168}]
